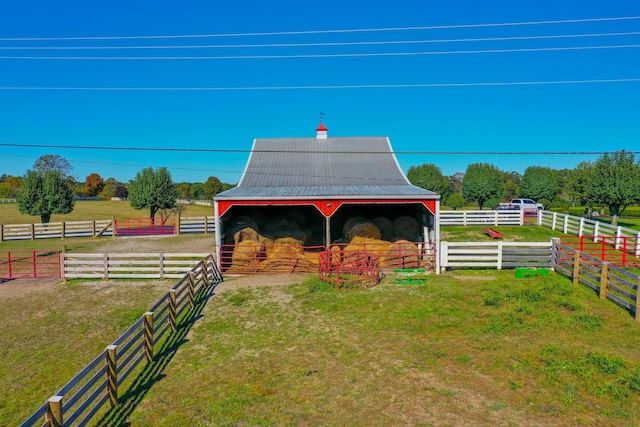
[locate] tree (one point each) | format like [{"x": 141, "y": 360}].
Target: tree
[
  {"x": 455, "y": 201},
  {"x": 481, "y": 182},
  {"x": 429, "y": 177},
  {"x": 511, "y": 182},
  {"x": 93, "y": 185},
  {"x": 455, "y": 182},
  {"x": 185, "y": 190},
  {"x": 121, "y": 192},
  {"x": 9, "y": 186},
  {"x": 577, "y": 185},
  {"x": 212, "y": 186},
  {"x": 197, "y": 190},
  {"x": 539, "y": 183},
  {"x": 153, "y": 189},
  {"x": 43, "y": 193},
  {"x": 53, "y": 162},
  {"x": 614, "y": 182}
]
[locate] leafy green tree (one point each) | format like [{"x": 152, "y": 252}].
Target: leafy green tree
[
  {"x": 197, "y": 190},
  {"x": 212, "y": 186},
  {"x": 539, "y": 183},
  {"x": 615, "y": 182},
  {"x": 482, "y": 182},
  {"x": 429, "y": 177},
  {"x": 153, "y": 189},
  {"x": 455, "y": 201},
  {"x": 53, "y": 162},
  {"x": 511, "y": 181},
  {"x": 577, "y": 184},
  {"x": 43, "y": 193}
]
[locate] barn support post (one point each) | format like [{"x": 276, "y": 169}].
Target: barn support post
[
  {"x": 436, "y": 239},
  {"x": 327, "y": 231},
  {"x": 218, "y": 233}
]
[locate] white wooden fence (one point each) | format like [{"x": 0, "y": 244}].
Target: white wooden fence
[
  {"x": 495, "y": 254},
  {"x": 581, "y": 226},
  {"x": 494, "y": 217},
  {"x": 128, "y": 265},
  {"x": 67, "y": 229}
]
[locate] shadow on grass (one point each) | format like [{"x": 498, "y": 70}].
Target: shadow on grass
[{"x": 154, "y": 372}]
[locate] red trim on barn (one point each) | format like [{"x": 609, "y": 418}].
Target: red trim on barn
[{"x": 327, "y": 207}]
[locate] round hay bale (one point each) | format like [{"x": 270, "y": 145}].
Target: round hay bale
[
  {"x": 367, "y": 229},
  {"x": 385, "y": 226},
  {"x": 364, "y": 246},
  {"x": 247, "y": 254},
  {"x": 407, "y": 227},
  {"x": 401, "y": 254},
  {"x": 353, "y": 221},
  {"x": 246, "y": 234},
  {"x": 240, "y": 223}
]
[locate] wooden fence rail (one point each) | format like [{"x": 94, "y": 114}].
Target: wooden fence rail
[
  {"x": 614, "y": 283},
  {"x": 103, "y": 379},
  {"x": 494, "y": 254},
  {"x": 128, "y": 266}
]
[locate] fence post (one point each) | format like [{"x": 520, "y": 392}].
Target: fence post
[
  {"x": 464, "y": 217},
  {"x": 177, "y": 225},
  {"x": 206, "y": 225},
  {"x": 496, "y": 217},
  {"x": 553, "y": 262},
  {"x": 148, "y": 336},
  {"x": 499, "y": 255},
  {"x": 63, "y": 253},
  {"x": 566, "y": 224},
  {"x": 33, "y": 231},
  {"x": 93, "y": 228},
  {"x": 637, "y": 244},
  {"x": 161, "y": 265},
  {"x": 62, "y": 230},
  {"x": 637, "y": 300},
  {"x": 596, "y": 229},
  {"x": 112, "y": 375},
  {"x": 521, "y": 216},
  {"x": 444, "y": 253},
  {"x": 618, "y": 235},
  {"x": 54, "y": 411},
  {"x": 192, "y": 296},
  {"x": 604, "y": 280},
  {"x": 576, "y": 267},
  {"x": 1, "y": 233},
  {"x": 540, "y": 214},
  {"x": 581, "y": 227},
  {"x": 172, "y": 310}
]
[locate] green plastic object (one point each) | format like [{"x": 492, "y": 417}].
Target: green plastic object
[
  {"x": 525, "y": 273},
  {"x": 411, "y": 280}
]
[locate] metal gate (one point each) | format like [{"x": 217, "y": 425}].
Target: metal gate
[{"x": 23, "y": 264}]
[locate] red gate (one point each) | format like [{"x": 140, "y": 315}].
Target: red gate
[
  {"x": 29, "y": 264},
  {"x": 144, "y": 226},
  {"x": 620, "y": 251}
]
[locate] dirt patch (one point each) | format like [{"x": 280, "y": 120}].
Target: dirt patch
[
  {"x": 10, "y": 289},
  {"x": 251, "y": 281},
  {"x": 189, "y": 244}
]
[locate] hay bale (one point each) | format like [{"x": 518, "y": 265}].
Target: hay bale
[
  {"x": 385, "y": 226},
  {"x": 406, "y": 227},
  {"x": 246, "y": 234},
  {"x": 367, "y": 229},
  {"x": 240, "y": 223},
  {"x": 247, "y": 256},
  {"x": 364, "y": 246},
  {"x": 401, "y": 254},
  {"x": 353, "y": 221}
]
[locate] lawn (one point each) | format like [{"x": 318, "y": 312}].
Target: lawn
[
  {"x": 480, "y": 349},
  {"x": 467, "y": 348},
  {"x": 90, "y": 210}
]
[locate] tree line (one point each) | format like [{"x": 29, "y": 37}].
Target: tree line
[
  {"x": 48, "y": 188},
  {"x": 612, "y": 181}
]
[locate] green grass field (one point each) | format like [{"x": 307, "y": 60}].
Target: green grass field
[
  {"x": 467, "y": 348},
  {"x": 89, "y": 210}
]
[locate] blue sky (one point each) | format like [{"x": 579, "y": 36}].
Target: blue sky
[{"x": 553, "y": 118}]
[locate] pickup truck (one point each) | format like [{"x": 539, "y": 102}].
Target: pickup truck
[{"x": 526, "y": 205}]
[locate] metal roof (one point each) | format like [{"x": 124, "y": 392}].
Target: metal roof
[{"x": 310, "y": 167}]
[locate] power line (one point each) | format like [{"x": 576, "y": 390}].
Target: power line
[
  {"x": 325, "y": 44},
  {"x": 312, "y": 87},
  {"x": 337, "y": 31},
  {"x": 311, "y": 56},
  {"x": 238, "y": 150}
]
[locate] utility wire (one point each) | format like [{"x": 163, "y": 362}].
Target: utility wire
[
  {"x": 239, "y": 150},
  {"x": 311, "y": 87},
  {"x": 325, "y": 44},
  {"x": 307, "y": 56},
  {"x": 337, "y": 31}
]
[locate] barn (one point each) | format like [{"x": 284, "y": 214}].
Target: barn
[{"x": 322, "y": 191}]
